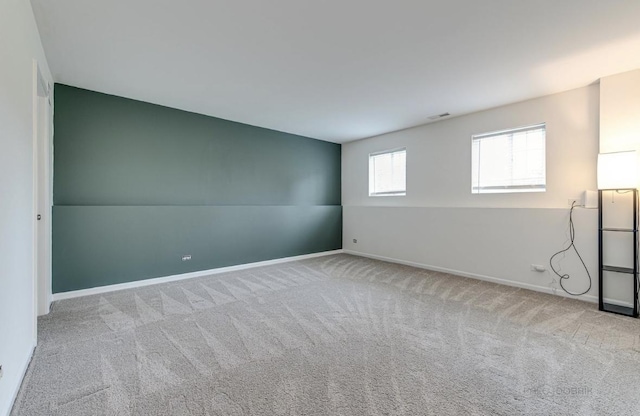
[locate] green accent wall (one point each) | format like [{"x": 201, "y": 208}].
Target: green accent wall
[{"x": 137, "y": 186}]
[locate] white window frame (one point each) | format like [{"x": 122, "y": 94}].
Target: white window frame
[
  {"x": 372, "y": 177},
  {"x": 512, "y": 188}
]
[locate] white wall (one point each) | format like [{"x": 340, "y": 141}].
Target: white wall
[
  {"x": 19, "y": 45},
  {"x": 439, "y": 155},
  {"x": 620, "y": 112},
  {"x": 441, "y": 225}
]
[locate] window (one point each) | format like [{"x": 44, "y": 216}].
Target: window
[
  {"x": 388, "y": 173},
  {"x": 509, "y": 161}
]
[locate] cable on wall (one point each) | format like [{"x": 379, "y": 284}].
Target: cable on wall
[{"x": 572, "y": 245}]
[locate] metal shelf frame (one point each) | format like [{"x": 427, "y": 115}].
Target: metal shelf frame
[{"x": 609, "y": 307}]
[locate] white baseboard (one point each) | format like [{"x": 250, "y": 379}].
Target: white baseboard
[
  {"x": 183, "y": 276},
  {"x": 543, "y": 289},
  {"x": 16, "y": 388}
]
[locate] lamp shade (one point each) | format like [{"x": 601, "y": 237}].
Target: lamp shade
[{"x": 618, "y": 170}]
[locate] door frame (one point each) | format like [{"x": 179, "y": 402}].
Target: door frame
[{"x": 42, "y": 192}]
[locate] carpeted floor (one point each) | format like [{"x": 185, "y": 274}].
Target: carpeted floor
[{"x": 336, "y": 335}]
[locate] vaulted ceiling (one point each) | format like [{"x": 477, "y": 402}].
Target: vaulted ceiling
[{"x": 336, "y": 70}]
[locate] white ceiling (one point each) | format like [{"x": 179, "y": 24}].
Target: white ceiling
[{"x": 336, "y": 70}]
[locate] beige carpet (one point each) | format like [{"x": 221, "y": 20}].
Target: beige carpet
[{"x": 337, "y": 335}]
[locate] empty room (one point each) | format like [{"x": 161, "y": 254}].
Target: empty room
[{"x": 354, "y": 207}]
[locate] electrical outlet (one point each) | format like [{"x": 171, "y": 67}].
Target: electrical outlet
[
  {"x": 186, "y": 257},
  {"x": 355, "y": 241}
]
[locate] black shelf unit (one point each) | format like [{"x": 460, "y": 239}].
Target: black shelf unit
[{"x": 633, "y": 271}]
